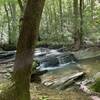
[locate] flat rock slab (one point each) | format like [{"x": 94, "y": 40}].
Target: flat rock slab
[{"x": 87, "y": 53}]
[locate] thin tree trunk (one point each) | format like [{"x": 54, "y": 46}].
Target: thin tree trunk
[
  {"x": 61, "y": 21},
  {"x": 50, "y": 19},
  {"x": 46, "y": 16},
  {"x": 92, "y": 10},
  {"x": 8, "y": 18},
  {"x": 81, "y": 20},
  {"x": 1, "y": 38},
  {"x": 76, "y": 25},
  {"x": 55, "y": 17},
  {"x": 12, "y": 7}
]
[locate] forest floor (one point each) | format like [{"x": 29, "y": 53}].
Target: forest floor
[{"x": 39, "y": 92}]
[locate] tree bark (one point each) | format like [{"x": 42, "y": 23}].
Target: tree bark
[
  {"x": 92, "y": 9},
  {"x": 81, "y": 21},
  {"x": 78, "y": 24},
  {"x": 12, "y": 7},
  {"x": 8, "y": 19},
  {"x": 24, "y": 56},
  {"x": 61, "y": 21},
  {"x": 55, "y": 17}
]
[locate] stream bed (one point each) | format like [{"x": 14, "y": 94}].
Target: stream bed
[{"x": 90, "y": 66}]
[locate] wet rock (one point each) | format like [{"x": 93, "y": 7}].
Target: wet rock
[
  {"x": 10, "y": 70},
  {"x": 48, "y": 83},
  {"x": 7, "y": 75},
  {"x": 35, "y": 77},
  {"x": 7, "y": 54},
  {"x": 97, "y": 75},
  {"x": 54, "y": 61},
  {"x": 3, "y": 71}
]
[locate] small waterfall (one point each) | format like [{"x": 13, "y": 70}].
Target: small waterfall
[
  {"x": 52, "y": 62},
  {"x": 61, "y": 60}
]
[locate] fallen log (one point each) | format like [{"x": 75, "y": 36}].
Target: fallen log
[
  {"x": 66, "y": 84},
  {"x": 66, "y": 79},
  {"x": 62, "y": 83},
  {"x": 85, "y": 88}
]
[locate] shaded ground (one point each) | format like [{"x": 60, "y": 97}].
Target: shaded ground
[{"x": 39, "y": 92}]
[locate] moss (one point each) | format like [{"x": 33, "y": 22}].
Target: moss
[
  {"x": 34, "y": 66},
  {"x": 6, "y": 91},
  {"x": 96, "y": 85}
]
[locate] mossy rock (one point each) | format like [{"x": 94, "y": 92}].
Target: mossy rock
[
  {"x": 96, "y": 86},
  {"x": 34, "y": 66}
]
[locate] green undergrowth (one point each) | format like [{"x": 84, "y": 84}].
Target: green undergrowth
[
  {"x": 96, "y": 86},
  {"x": 6, "y": 91},
  {"x": 34, "y": 66},
  {"x": 48, "y": 44}
]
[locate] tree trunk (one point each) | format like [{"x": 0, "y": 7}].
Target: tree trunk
[
  {"x": 12, "y": 7},
  {"x": 61, "y": 21},
  {"x": 92, "y": 9},
  {"x": 8, "y": 19},
  {"x": 78, "y": 24},
  {"x": 81, "y": 21},
  {"x": 24, "y": 56},
  {"x": 55, "y": 17}
]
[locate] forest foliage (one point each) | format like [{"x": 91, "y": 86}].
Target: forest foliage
[{"x": 57, "y": 23}]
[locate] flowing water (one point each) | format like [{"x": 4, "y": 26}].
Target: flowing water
[{"x": 90, "y": 66}]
